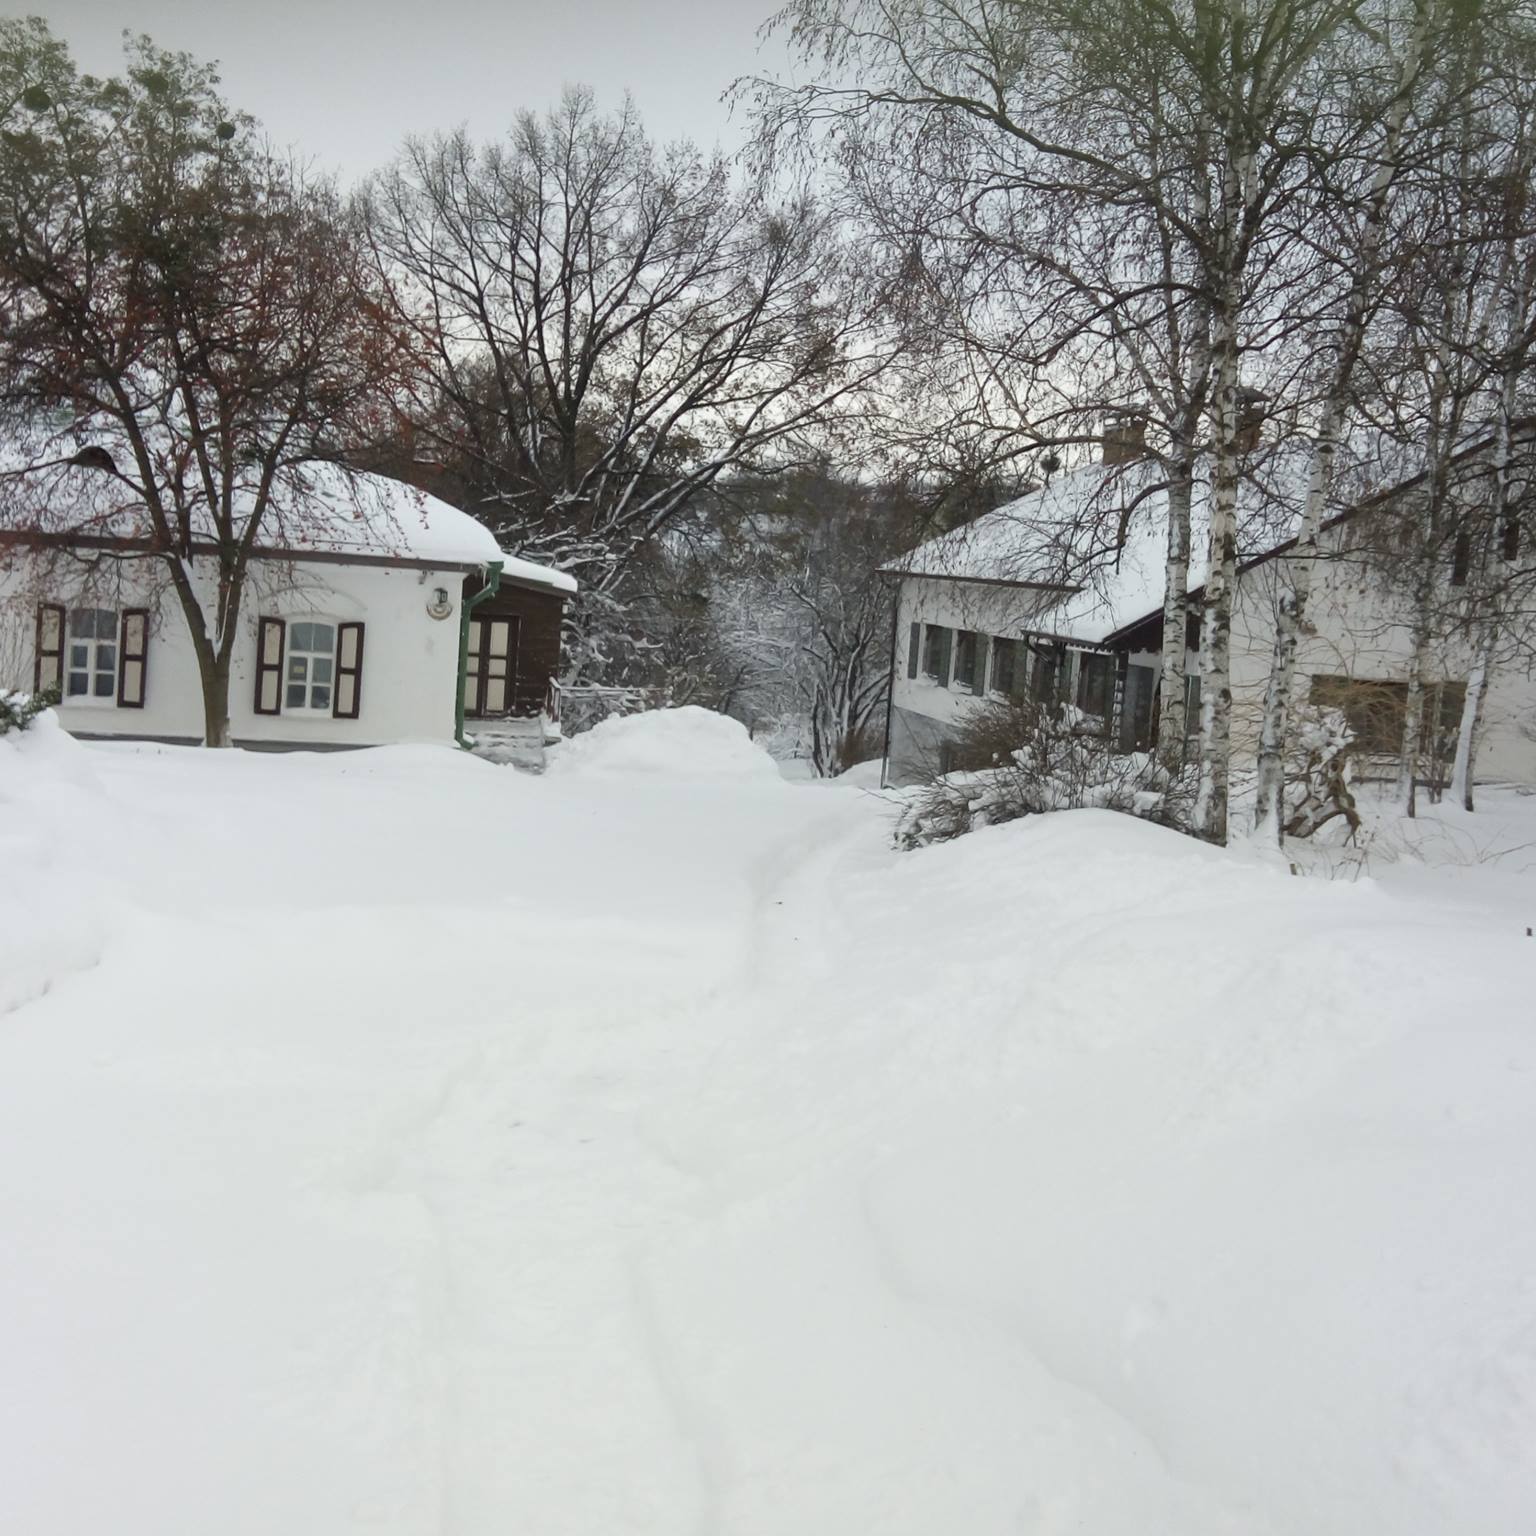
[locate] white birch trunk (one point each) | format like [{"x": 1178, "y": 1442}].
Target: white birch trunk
[
  {"x": 1465, "y": 769},
  {"x": 1171, "y": 724},
  {"x": 1464, "y": 774},
  {"x": 1210, "y": 815},
  {"x": 1406, "y": 794}
]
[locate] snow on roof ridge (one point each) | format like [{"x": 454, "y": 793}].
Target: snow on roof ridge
[
  {"x": 1107, "y": 561},
  {"x": 341, "y": 511}
]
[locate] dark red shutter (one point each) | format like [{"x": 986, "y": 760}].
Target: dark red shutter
[
  {"x": 133, "y": 658},
  {"x": 48, "y": 671},
  {"x": 271, "y": 636},
  {"x": 347, "y": 700}
]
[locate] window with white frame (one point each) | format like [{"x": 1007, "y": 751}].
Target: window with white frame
[
  {"x": 311, "y": 669},
  {"x": 91, "y": 669}
]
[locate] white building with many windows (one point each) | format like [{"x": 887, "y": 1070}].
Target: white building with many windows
[{"x": 1058, "y": 597}]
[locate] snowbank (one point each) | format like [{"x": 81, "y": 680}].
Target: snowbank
[
  {"x": 49, "y": 795},
  {"x": 390, "y": 1144},
  {"x": 688, "y": 741}
]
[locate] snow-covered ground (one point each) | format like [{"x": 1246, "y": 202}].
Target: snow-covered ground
[{"x": 393, "y": 1143}]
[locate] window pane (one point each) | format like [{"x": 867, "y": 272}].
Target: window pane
[
  {"x": 295, "y": 697},
  {"x": 79, "y": 683},
  {"x": 79, "y": 655},
  {"x": 106, "y": 685},
  {"x": 82, "y": 622},
  {"x": 1002, "y": 665},
  {"x": 320, "y": 698},
  {"x": 323, "y": 638},
  {"x": 965, "y": 657},
  {"x": 106, "y": 658},
  {"x": 320, "y": 670},
  {"x": 298, "y": 666}
]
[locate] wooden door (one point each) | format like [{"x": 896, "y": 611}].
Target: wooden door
[{"x": 492, "y": 669}]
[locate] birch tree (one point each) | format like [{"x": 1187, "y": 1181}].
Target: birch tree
[
  {"x": 1358, "y": 222},
  {"x": 1501, "y": 579},
  {"x": 1447, "y": 381},
  {"x": 1192, "y": 127}
]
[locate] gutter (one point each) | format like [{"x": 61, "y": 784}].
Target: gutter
[{"x": 489, "y": 590}]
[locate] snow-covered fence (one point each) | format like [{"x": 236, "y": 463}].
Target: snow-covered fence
[{"x": 579, "y": 706}]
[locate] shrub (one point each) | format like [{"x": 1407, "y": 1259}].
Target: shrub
[
  {"x": 1317, "y": 788},
  {"x": 1021, "y": 759},
  {"x": 19, "y": 710}
]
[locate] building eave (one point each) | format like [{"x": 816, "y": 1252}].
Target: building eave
[{"x": 144, "y": 548}]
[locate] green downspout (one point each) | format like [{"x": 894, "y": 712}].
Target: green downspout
[{"x": 489, "y": 590}]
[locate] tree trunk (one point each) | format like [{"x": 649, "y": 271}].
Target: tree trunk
[
  {"x": 1464, "y": 772},
  {"x": 1291, "y": 606},
  {"x": 213, "y": 658},
  {"x": 1171, "y": 723},
  {"x": 1413, "y": 713},
  {"x": 215, "y": 680},
  {"x": 1216, "y": 633}
]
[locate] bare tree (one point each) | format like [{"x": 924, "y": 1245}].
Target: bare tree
[
  {"x": 1357, "y": 216},
  {"x": 1448, "y": 386},
  {"x": 612, "y": 327}
]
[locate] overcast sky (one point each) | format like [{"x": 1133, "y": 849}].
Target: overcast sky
[{"x": 344, "y": 83}]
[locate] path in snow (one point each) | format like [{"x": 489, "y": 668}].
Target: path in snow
[{"x": 648, "y": 1149}]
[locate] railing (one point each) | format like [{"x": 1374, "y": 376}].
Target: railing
[{"x": 579, "y": 706}]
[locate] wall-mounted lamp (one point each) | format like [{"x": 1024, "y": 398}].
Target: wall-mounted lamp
[{"x": 440, "y": 604}]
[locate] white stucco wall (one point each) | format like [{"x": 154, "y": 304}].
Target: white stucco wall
[
  {"x": 1359, "y": 628},
  {"x": 410, "y": 660},
  {"x": 989, "y": 610}
]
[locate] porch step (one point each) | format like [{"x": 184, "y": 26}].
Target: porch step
[{"x": 519, "y": 743}]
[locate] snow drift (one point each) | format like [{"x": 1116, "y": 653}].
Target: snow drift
[
  {"x": 687, "y": 741},
  {"x": 392, "y": 1144}
]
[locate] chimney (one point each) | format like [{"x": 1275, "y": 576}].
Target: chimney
[
  {"x": 1250, "y": 418},
  {"x": 1125, "y": 436}
]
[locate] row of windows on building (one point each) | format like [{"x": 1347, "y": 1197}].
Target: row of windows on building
[
  {"x": 101, "y": 656},
  {"x": 304, "y": 666},
  {"x": 1004, "y": 667},
  {"x": 972, "y": 662}
]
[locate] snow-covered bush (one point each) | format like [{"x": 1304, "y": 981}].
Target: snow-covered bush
[
  {"x": 1021, "y": 759},
  {"x": 1317, "y": 788},
  {"x": 19, "y": 710}
]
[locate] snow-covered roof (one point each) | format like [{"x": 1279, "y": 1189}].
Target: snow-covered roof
[
  {"x": 320, "y": 509},
  {"x": 1097, "y": 535},
  {"x": 373, "y": 515}
]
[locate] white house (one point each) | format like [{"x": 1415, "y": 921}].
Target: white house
[
  {"x": 351, "y": 630},
  {"x": 1058, "y": 595}
]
